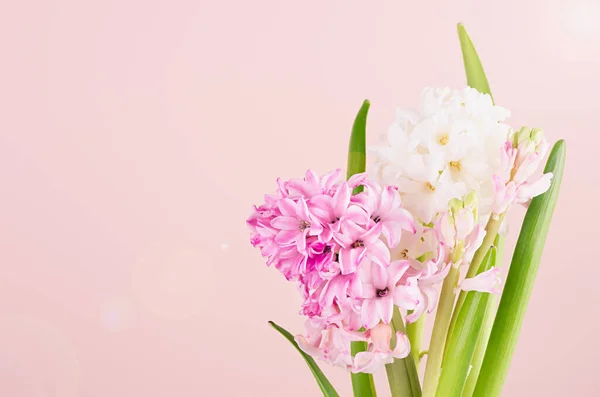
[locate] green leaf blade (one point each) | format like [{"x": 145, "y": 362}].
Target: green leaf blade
[
  {"x": 486, "y": 328},
  {"x": 519, "y": 282},
  {"x": 362, "y": 384},
  {"x": 462, "y": 342},
  {"x": 474, "y": 69},
  {"x": 324, "y": 384},
  {"x": 357, "y": 150}
]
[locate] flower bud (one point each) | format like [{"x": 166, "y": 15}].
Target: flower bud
[
  {"x": 471, "y": 202},
  {"x": 537, "y": 135},
  {"x": 522, "y": 135},
  {"x": 455, "y": 205}
]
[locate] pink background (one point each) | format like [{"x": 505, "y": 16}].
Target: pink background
[{"x": 135, "y": 135}]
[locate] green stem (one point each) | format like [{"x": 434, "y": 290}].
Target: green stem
[
  {"x": 486, "y": 329},
  {"x": 491, "y": 229},
  {"x": 438, "y": 337},
  {"x": 402, "y": 374},
  {"x": 414, "y": 331}
]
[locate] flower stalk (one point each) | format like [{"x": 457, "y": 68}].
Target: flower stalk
[
  {"x": 415, "y": 335},
  {"x": 438, "y": 336}
]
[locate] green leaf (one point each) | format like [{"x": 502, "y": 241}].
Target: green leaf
[
  {"x": 362, "y": 384},
  {"x": 473, "y": 68},
  {"x": 486, "y": 328},
  {"x": 519, "y": 281},
  {"x": 324, "y": 384},
  {"x": 402, "y": 374},
  {"x": 414, "y": 331},
  {"x": 357, "y": 157},
  {"x": 463, "y": 340},
  {"x": 476, "y": 79}
]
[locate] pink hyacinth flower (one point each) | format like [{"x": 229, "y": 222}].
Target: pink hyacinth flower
[
  {"x": 295, "y": 223},
  {"x": 312, "y": 184},
  {"x": 328, "y": 343},
  {"x": 433, "y": 273},
  {"x": 381, "y": 291},
  {"x": 488, "y": 281},
  {"x": 472, "y": 243},
  {"x": 358, "y": 243},
  {"x": 340, "y": 287},
  {"x": 504, "y": 195},
  {"x": 379, "y": 351},
  {"x": 336, "y": 210},
  {"x": 528, "y": 190},
  {"x": 384, "y": 206}
]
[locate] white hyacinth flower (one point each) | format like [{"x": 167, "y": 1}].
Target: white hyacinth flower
[{"x": 449, "y": 147}]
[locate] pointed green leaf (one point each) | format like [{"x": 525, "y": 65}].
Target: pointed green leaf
[
  {"x": 486, "y": 328},
  {"x": 324, "y": 384},
  {"x": 476, "y": 79},
  {"x": 473, "y": 68},
  {"x": 357, "y": 157},
  {"x": 519, "y": 281},
  {"x": 463, "y": 340},
  {"x": 362, "y": 384}
]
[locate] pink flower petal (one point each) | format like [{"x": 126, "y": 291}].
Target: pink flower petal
[
  {"x": 402, "y": 348},
  {"x": 341, "y": 200},
  {"x": 286, "y": 237},
  {"x": 286, "y": 223},
  {"x": 386, "y": 308},
  {"x": 370, "y": 313},
  {"x": 488, "y": 281},
  {"x": 287, "y": 207}
]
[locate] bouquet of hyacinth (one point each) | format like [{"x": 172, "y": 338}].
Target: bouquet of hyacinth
[{"x": 419, "y": 237}]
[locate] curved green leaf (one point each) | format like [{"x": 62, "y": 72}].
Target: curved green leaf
[
  {"x": 477, "y": 79},
  {"x": 486, "y": 328},
  {"x": 463, "y": 340},
  {"x": 519, "y": 281},
  {"x": 473, "y": 68},
  {"x": 357, "y": 150},
  {"x": 362, "y": 384},
  {"x": 324, "y": 384}
]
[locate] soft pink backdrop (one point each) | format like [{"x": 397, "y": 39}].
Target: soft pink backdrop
[{"x": 135, "y": 135}]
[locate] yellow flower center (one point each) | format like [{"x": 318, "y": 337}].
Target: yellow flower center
[
  {"x": 430, "y": 186},
  {"x": 456, "y": 165},
  {"x": 443, "y": 139}
]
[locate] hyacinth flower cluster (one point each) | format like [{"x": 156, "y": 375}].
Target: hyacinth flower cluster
[
  {"x": 336, "y": 247},
  {"x": 414, "y": 235}
]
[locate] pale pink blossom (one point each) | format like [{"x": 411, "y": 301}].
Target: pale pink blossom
[
  {"x": 521, "y": 157},
  {"x": 379, "y": 351},
  {"x": 329, "y": 343},
  {"x": 431, "y": 274},
  {"x": 504, "y": 195},
  {"x": 472, "y": 243},
  {"x": 488, "y": 281},
  {"x": 528, "y": 190},
  {"x": 382, "y": 290}
]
